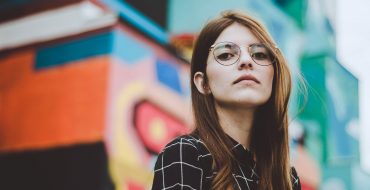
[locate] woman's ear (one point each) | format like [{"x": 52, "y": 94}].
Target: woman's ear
[{"x": 200, "y": 83}]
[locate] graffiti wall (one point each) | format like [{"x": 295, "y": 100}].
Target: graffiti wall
[
  {"x": 148, "y": 105},
  {"x": 99, "y": 104}
]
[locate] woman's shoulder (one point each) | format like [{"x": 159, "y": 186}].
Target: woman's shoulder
[
  {"x": 186, "y": 142},
  {"x": 185, "y": 149},
  {"x": 179, "y": 165}
]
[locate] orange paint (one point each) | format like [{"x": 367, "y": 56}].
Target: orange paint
[
  {"x": 14, "y": 67},
  {"x": 51, "y": 107}
]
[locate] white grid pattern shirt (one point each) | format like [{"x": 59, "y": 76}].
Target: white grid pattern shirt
[{"x": 186, "y": 164}]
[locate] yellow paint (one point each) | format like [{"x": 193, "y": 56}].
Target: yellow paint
[
  {"x": 124, "y": 163},
  {"x": 157, "y": 129}
]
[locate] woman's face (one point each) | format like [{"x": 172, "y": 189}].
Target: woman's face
[{"x": 244, "y": 83}]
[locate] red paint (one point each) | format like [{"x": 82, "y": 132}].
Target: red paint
[{"x": 145, "y": 113}]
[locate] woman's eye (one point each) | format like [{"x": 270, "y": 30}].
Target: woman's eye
[
  {"x": 260, "y": 56},
  {"x": 225, "y": 56}
]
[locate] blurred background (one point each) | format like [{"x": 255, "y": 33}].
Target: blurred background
[{"x": 91, "y": 90}]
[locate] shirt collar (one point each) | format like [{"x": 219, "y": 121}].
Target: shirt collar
[{"x": 242, "y": 154}]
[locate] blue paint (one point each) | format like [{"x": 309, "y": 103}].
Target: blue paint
[
  {"x": 66, "y": 52},
  {"x": 137, "y": 19},
  {"x": 168, "y": 74},
  {"x": 128, "y": 49},
  {"x": 341, "y": 141},
  {"x": 115, "y": 43},
  {"x": 342, "y": 109}
]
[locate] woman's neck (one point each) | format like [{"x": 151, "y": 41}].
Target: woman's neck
[{"x": 236, "y": 122}]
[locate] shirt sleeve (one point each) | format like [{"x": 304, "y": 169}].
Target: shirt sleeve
[
  {"x": 178, "y": 167},
  {"x": 296, "y": 183}
]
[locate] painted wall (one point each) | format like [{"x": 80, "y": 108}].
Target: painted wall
[{"x": 114, "y": 87}]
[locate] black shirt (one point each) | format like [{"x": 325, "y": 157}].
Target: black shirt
[{"x": 185, "y": 163}]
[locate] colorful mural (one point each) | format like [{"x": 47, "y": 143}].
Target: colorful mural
[
  {"x": 148, "y": 106},
  {"x": 127, "y": 92}
]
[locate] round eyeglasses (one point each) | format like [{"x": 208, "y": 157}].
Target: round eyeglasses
[{"x": 228, "y": 53}]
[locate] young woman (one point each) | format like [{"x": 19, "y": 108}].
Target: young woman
[{"x": 240, "y": 91}]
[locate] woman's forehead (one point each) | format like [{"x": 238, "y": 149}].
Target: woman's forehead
[{"x": 237, "y": 34}]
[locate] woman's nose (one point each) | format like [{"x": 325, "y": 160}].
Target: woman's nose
[{"x": 245, "y": 60}]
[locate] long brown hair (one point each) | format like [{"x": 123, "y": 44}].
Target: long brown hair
[{"x": 269, "y": 135}]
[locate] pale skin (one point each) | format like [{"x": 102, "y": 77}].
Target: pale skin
[{"x": 236, "y": 103}]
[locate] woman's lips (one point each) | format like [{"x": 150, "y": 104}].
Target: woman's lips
[{"x": 247, "y": 78}]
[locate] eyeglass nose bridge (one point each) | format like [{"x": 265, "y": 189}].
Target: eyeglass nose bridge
[{"x": 245, "y": 56}]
